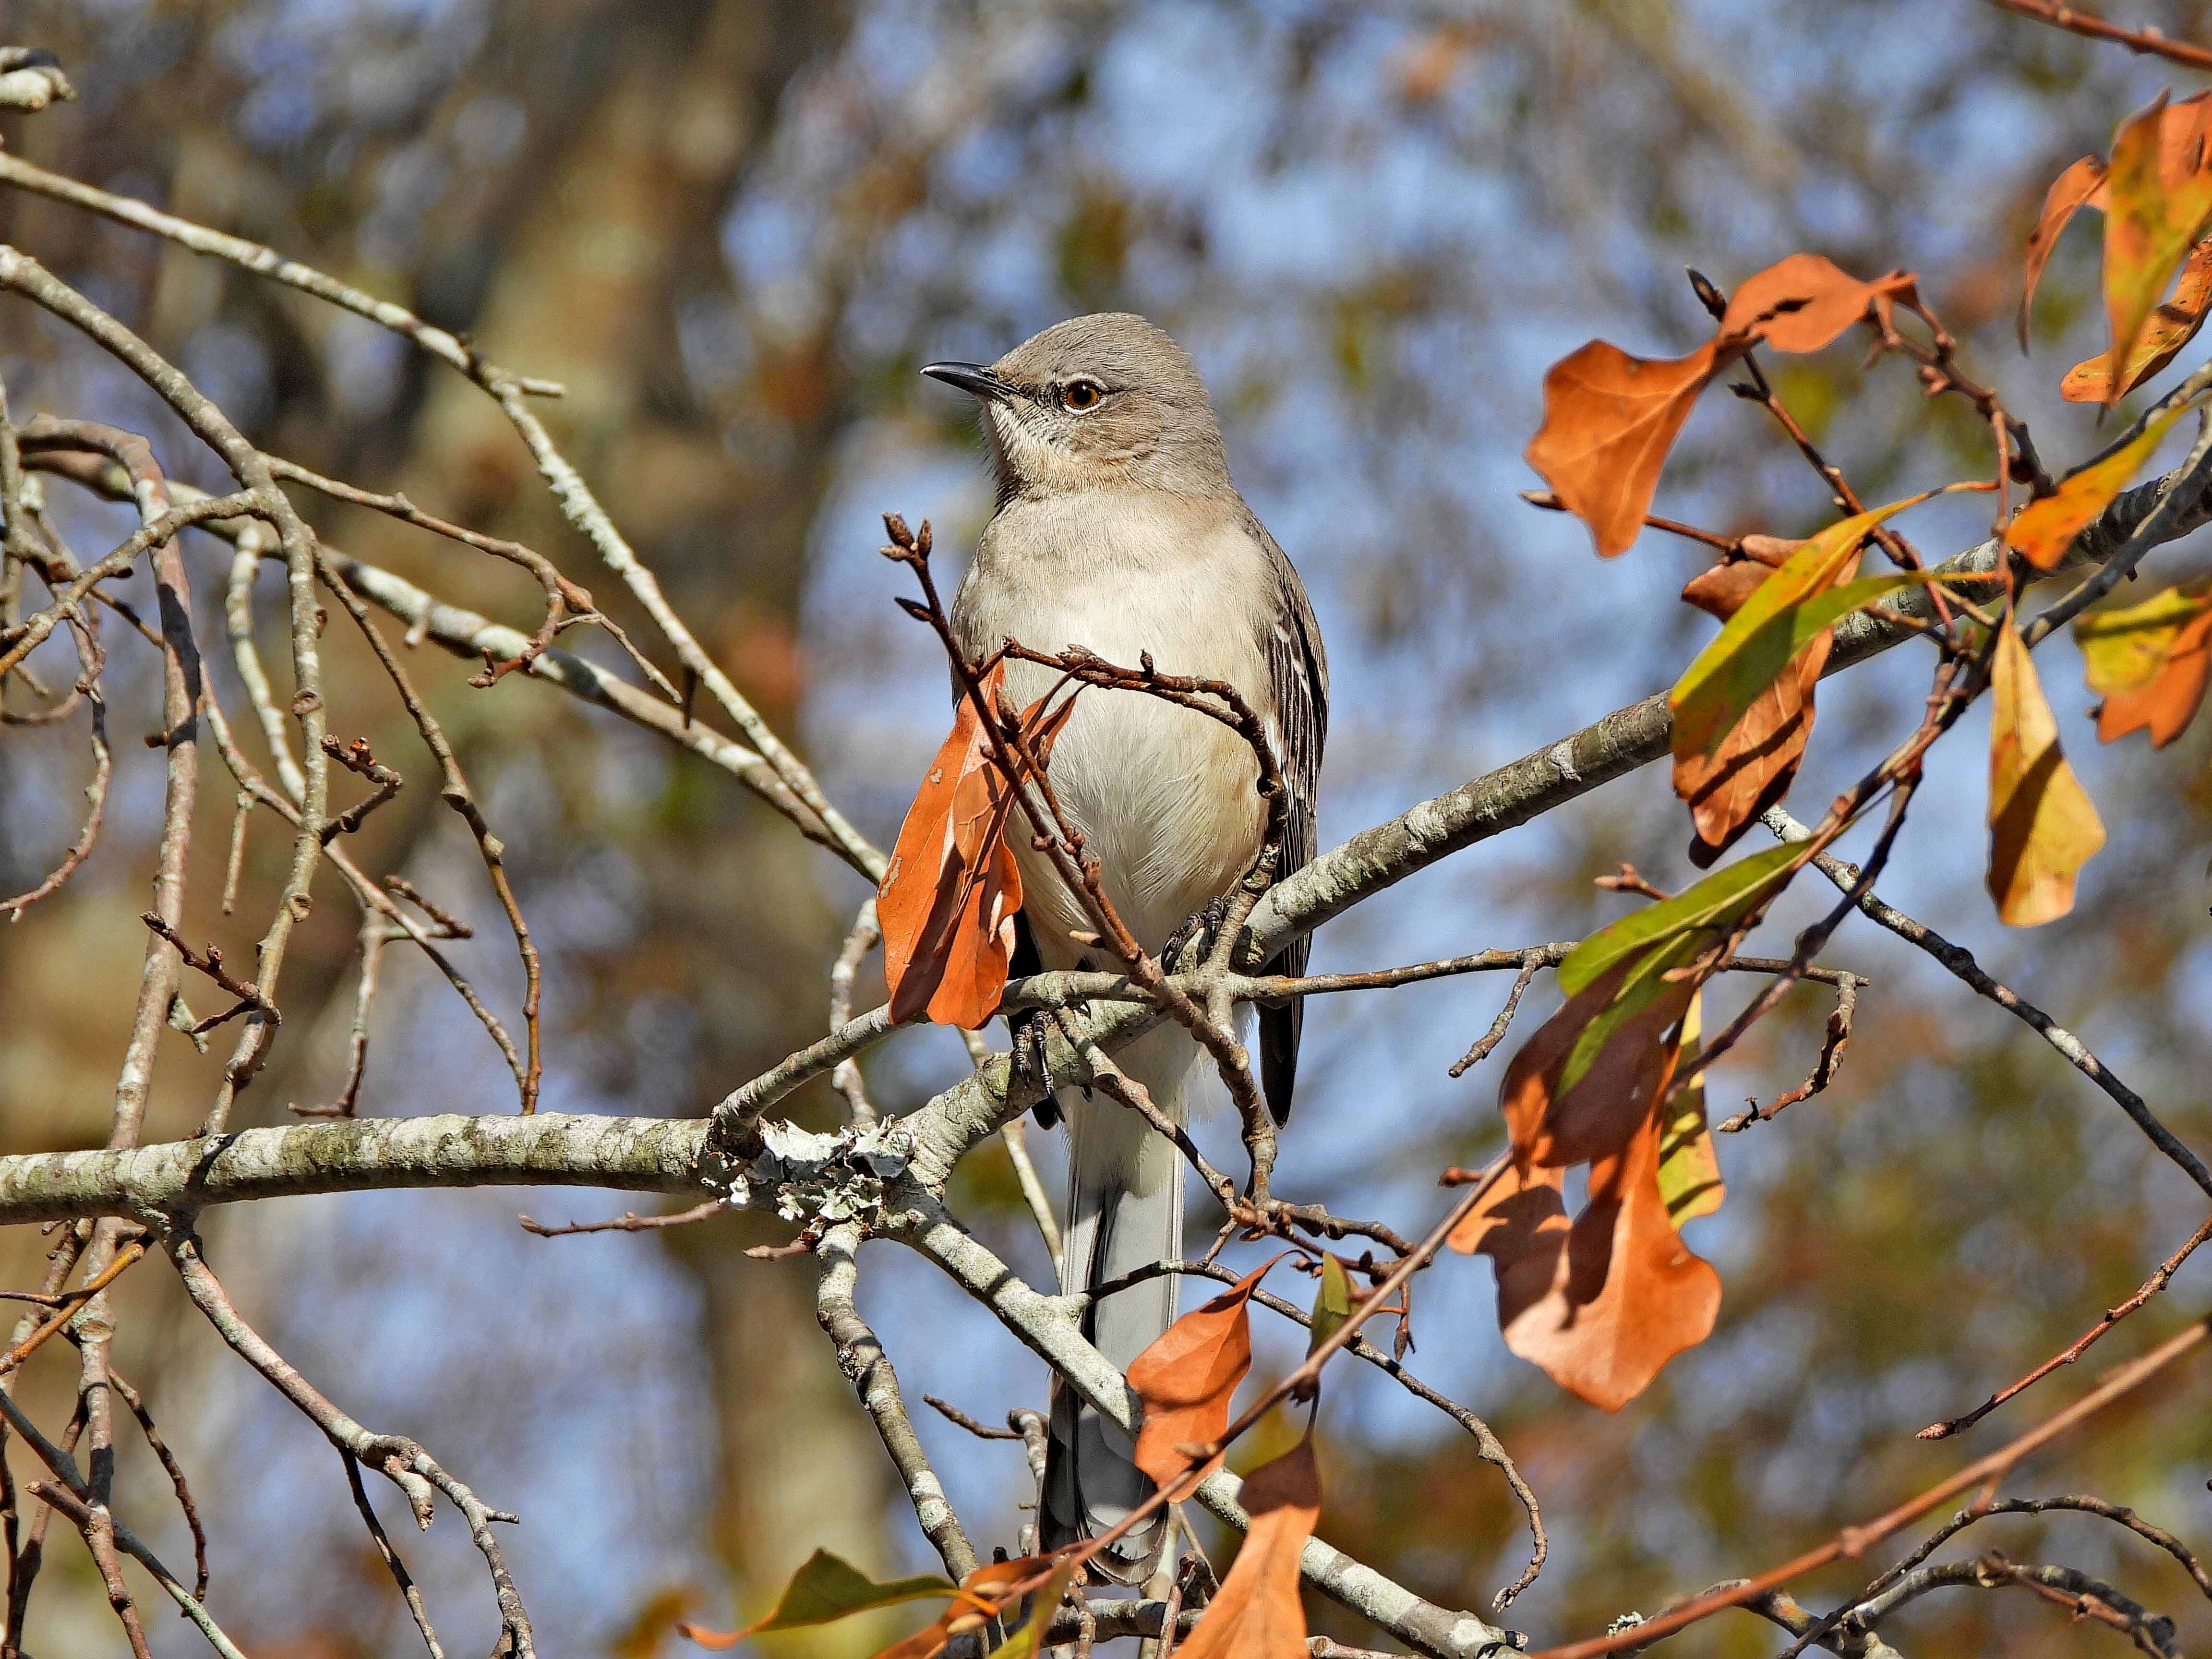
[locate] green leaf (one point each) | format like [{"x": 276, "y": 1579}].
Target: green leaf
[
  {"x": 1721, "y": 899},
  {"x": 1643, "y": 984},
  {"x": 1332, "y": 1301},
  {"x": 1770, "y": 628},
  {"x": 828, "y": 1588}
]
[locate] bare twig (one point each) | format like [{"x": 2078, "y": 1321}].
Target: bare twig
[
  {"x": 866, "y": 1365},
  {"x": 628, "y": 1222},
  {"x": 1854, "y": 1540},
  {"x": 1962, "y": 963},
  {"x": 2146, "y": 40},
  {"x": 2082, "y": 1344}
]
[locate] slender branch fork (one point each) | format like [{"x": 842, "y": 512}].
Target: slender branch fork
[{"x": 115, "y": 1205}]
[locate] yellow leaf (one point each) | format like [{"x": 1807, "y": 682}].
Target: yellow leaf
[
  {"x": 1689, "y": 1170},
  {"x": 2151, "y": 662},
  {"x": 2160, "y": 193},
  {"x": 1045, "y": 1602},
  {"x": 2123, "y": 650},
  {"x": 2041, "y": 531},
  {"x": 2171, "y": 326},
  {"x": 2043, "y": 827},
  {"x": 1333, "y": 1300}
]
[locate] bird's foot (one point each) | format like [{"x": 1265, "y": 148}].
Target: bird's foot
[
  {"x": 1192, "y": 943},
  {"x": 1031, "y": 1067}
]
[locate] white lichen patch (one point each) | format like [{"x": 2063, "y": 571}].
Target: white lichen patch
[{"x": 840, "y": 1176}]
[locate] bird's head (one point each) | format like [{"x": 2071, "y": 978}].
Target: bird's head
[{"x": 1095, "y": 403}]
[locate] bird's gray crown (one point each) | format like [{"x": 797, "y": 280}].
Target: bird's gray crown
[{"x": 1097, "y": 403}]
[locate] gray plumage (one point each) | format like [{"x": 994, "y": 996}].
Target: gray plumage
[{"x": 1118, "y": 528}]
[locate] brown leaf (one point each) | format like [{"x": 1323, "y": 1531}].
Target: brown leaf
[
  {"x": 2043, "y": 827},
  {"x": 1257, "y": 1613},
  {"x": 2171, "y": 326},
  {"x": 2151, "y": 662},
  {"x": 1595, "y": 1115},
  {"x": 2082, "y": 186},
  {"x": 1757, "y": 760},
  {"x": 2160, "y": 193},
  {"x": 1609, "y": 420},
  {"x": 1187, "y": 1378},
  {"x": 1803, "y": 303},
  {"x": 1603, "y": 1303},
  {"x": 948, "y": 898}
]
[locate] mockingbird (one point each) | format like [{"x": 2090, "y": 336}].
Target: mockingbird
[{"x": 1117, "y": 528}]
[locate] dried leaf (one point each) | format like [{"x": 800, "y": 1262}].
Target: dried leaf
[
  {"x": 2171, "y": 326},
  {"x": 2160, "y": 194},
  {"x": 2082, "y": 186},
  {"x": 2043, "y": 827},
  {"x": 1609, "y": 420},
  {"x": 1804, "y": 303},
  {"x": 1332, "y": 1301},
  {"x": 1756, "y": 762},
  {"x": 1515, "y": 1218},
  {"x": 2041, "y": 531},
  {"x": 1689, "y": 1168},
  {"x": 1186, "y": 1378},
  {"x": 826, "y": 1588},
  {"x": 1781, "y": 616},
  {"x": 1257, "y": 1613},
  {"x": 1603, "y": 1303},
  {"x": 2150, "y": 662},
  {"x": 948, "y": 898},
  {"x": 1577, "y": 1088}
]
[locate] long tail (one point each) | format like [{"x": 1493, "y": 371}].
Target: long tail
[{"x": 1125, "y": 1211}]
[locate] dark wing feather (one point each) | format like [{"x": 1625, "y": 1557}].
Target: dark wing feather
[
  {"x": 1023, "y": 959},
  {"x": 1298, "y": 672}
]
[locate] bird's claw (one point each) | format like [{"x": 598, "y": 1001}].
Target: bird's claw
[{"x": 1190, "y": 944}]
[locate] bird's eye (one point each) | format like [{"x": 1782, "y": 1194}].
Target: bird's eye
[{"x": 1082, "y": 394}]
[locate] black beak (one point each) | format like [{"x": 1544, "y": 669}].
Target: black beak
[{"x": 971, "y": 378}]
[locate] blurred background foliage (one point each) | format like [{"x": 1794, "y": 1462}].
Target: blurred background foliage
[{"x": 733, "y": 228}]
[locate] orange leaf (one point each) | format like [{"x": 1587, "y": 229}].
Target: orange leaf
[
  {"x": 2168, "y": 703},
  {"x": 2151, "y": 662},
  {"x": 2171, "y": 326},
  {"x": 1595, "y": 1115},
  {"x": 1803, "y": 303},
  {"x": 1757, "y": 761},
  {"x": 1603, "y": 1303},
  {"x": 1186, "y": 1377},
  {"x": 1257, "y": 1613},
  {"x": 1609, "y": 420},
  {"x": 2043, "y": 827},
  {"x": 2082, "y": 186},
  {"x": 1515, "y": 1217},
  {"x": 948, "y": 898},
  {"x": 2160, "y": 189},
  {"x": 2042, "y": 531}
]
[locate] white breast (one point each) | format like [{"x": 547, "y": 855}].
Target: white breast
[{"x": 1164, "y": 796}]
